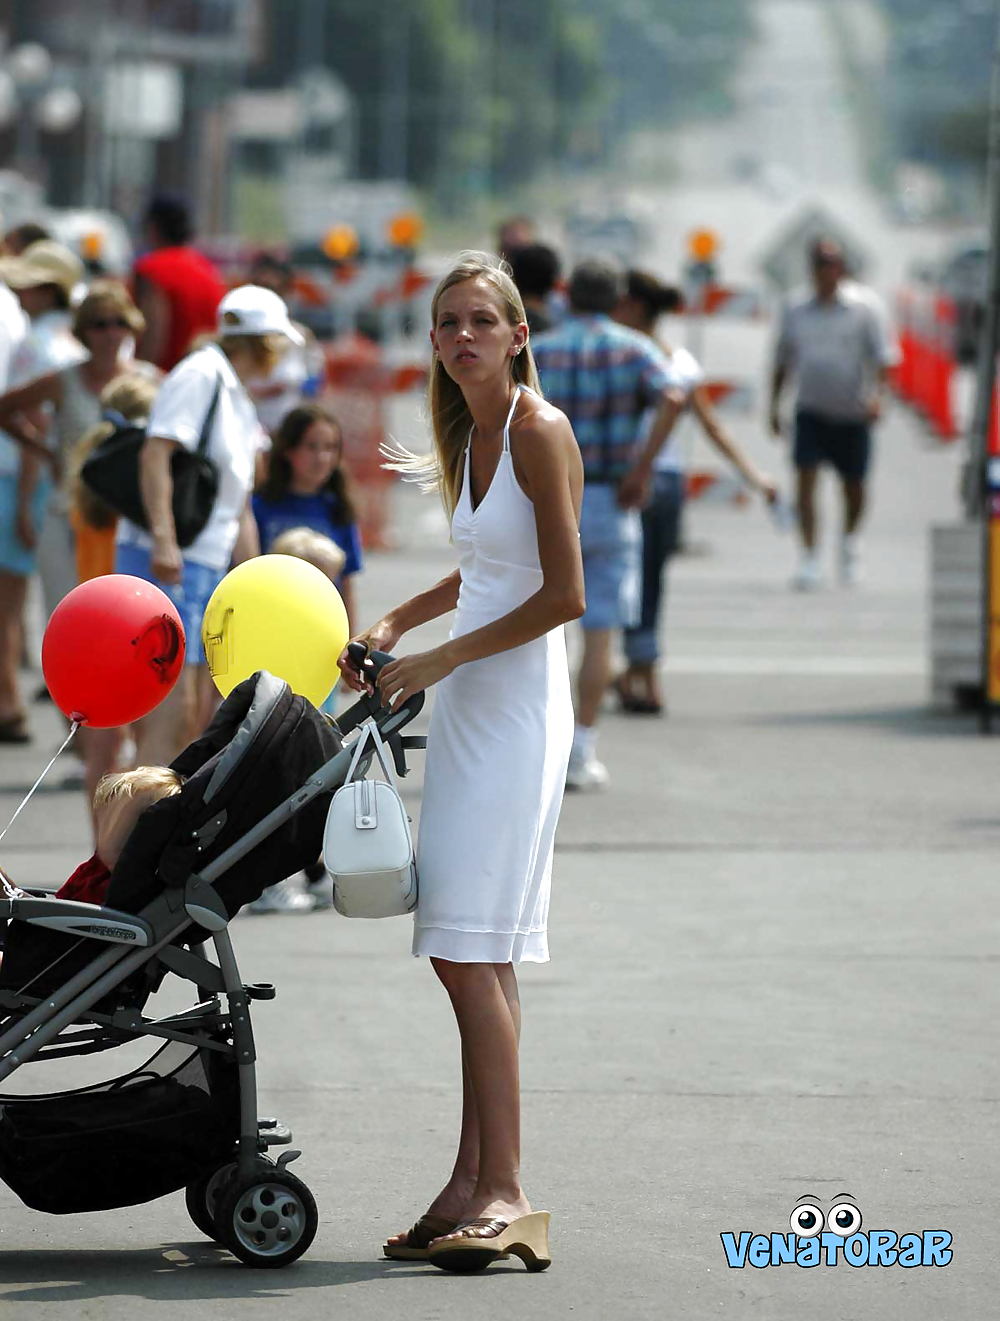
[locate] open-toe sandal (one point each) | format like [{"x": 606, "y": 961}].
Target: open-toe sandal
[
  {"x": 419, "y": 1238},
  {"x": 486, "y": 1240}
]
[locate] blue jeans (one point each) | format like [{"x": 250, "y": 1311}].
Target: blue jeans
[
  {"x": 611, "y": 544},
  {"x": 661, "y": 525},
  {"x": 190, "y": 595}
]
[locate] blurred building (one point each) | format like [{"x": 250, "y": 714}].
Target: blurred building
[{"x": 150, "y": 82}]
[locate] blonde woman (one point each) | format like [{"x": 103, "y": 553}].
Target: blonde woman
[
  {"x": 508, "y": 469},
  {"x": 253, "y": 331}
]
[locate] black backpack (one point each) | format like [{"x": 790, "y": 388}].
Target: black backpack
[{"x": 112, "y": 472}]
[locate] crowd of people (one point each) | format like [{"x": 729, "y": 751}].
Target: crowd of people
[{"x": 176, "y": 352}]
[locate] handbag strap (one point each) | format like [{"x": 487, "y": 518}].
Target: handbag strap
[
  {"x": 369, "y": 731},
  {"x": 207, "y": 425}
]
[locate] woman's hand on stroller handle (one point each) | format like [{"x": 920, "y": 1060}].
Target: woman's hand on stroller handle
[
  {"x": 399, "y": 680},
  {"x": 357, "y": 663}
]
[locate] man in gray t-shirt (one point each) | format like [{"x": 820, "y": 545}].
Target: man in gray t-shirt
[{"x": 837, "y": 343}]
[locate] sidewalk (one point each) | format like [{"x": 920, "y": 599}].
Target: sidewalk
[{"x": 774, "y": 947}]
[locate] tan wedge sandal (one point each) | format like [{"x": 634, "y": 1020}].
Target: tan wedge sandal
[
  {"x": 487, "y": 1240},
  {"x": 419, "y": 1238}
]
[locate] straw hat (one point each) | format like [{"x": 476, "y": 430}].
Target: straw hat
[{"x": 44, "y": 262}]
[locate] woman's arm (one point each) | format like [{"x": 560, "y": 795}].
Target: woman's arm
[
  {"x": 156, "y": 485},
  {"x": 549, "y": 459},
  {"x": 706, "y": 415},
  {"x": 247, "y": 537},
  {"x": 21, "y": 418},
  {"x": 46, "y": 389},
  {"x": 384, "y": 635},
  {"x": 633, "y": 490}
]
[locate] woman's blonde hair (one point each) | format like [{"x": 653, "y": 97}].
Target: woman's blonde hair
[
  {"x": 153, "y": 782},
  {"x": 102, "y": 296},
  {"x": 451, "y": 419},
  {"x": 131, "y": 394}
]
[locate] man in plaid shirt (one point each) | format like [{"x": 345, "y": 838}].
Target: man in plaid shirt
[{"x": 606, "y": 378}]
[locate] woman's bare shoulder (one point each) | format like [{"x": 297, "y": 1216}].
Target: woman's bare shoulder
[{"x": 542, "y": 430}]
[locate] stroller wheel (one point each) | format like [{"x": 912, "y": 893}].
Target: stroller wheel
[
  {"x": 267, "y": 1219},
  {"x": 202, "y": 1198}
]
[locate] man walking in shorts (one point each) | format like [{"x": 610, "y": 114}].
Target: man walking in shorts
[
  {"x": 837, "y": 343},
  {"x": 605, "y": 377}
]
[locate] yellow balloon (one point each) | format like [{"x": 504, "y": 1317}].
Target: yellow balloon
[{"x": 275, "y": 613}]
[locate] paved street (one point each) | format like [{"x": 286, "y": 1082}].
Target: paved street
[{"x": 773, "y": 947}]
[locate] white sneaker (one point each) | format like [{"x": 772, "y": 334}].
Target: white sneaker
[
  {"x": 808, "y": 576},
  {"x": 586, "y": 773},
  {"x": 285, "y": 897},
  {"x": 852, "y": 570}
]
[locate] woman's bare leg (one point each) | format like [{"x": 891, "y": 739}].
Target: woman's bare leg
[
  {"x": 508, "y": 984},
  {"x": 13, "y": 593},
  {"x": 453, "y": 1198},
  {"x": 486, "y": 1022},
  {"x": 171, "y": 726}
]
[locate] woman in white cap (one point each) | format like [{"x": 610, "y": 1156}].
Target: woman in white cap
[{"x": 253, "y": 331}]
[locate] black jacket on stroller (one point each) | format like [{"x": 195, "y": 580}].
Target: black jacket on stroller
[{"x": 237, "y": 772}]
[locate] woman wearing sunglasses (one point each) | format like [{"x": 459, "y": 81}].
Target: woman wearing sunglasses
[
  {"x": 61, "y": 368},
  {"x": 56, "y": 408}
]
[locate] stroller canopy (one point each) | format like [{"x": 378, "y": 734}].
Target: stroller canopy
[{"x": 264, "y": 744}]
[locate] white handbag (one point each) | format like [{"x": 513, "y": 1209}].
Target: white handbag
[{"x": 367, "y": 848}]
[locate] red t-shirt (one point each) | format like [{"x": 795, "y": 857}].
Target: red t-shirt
[
  {"x": 193, "y": 288},
  {"x": 88, "y": 884}
]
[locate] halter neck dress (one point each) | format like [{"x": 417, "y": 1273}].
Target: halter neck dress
[{"x": 497, "y": 749}]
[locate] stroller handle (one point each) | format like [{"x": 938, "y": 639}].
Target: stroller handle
[{"x": 369, "y": 664}]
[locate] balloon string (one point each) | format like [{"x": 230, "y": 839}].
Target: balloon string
[{"x": 11, "y": 891}]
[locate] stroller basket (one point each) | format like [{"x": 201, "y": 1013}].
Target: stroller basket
[{"x": 119, "y": 1143}]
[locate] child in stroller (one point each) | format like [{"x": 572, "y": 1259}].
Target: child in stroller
[
  {"x": 119, "y": 800},
  {"x": 252, "y": 808}
]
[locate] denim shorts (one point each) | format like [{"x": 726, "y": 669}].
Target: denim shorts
[
  {"x": 15, "y": 556},
  {"x": 190, "y": 596},
  {"x": 611, "y": 542}
]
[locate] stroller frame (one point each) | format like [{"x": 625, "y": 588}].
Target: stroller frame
[{"x": 135, "y": 940}]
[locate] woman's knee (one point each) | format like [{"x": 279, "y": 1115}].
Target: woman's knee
[{"x": 462, "y": 979}]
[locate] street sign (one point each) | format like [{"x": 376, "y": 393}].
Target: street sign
[{"x": 785, "y": 261}]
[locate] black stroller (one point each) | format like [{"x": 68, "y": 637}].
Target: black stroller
[{"x": 75, "y": 979}]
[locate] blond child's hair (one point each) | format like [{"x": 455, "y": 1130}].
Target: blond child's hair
[
  {"x": 304, "y": 543},
  {"x": 131, "y": 394},
  {"x": 152, "y": 782}
]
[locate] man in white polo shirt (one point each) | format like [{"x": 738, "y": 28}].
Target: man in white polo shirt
[{"x": 837, "y": 343}]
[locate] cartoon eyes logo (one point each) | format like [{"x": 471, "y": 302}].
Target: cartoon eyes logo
[
  {"x": 843, "y": 1219},
  {"x": 808, "y": 1220}
]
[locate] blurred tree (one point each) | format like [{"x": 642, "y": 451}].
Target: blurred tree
[{"x": 489, "y": 92}]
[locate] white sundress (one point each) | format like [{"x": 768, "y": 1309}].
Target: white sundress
[{"x": 497, "y": 750}]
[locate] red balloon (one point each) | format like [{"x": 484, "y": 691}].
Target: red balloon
[{"x": 113, "y": 649}]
